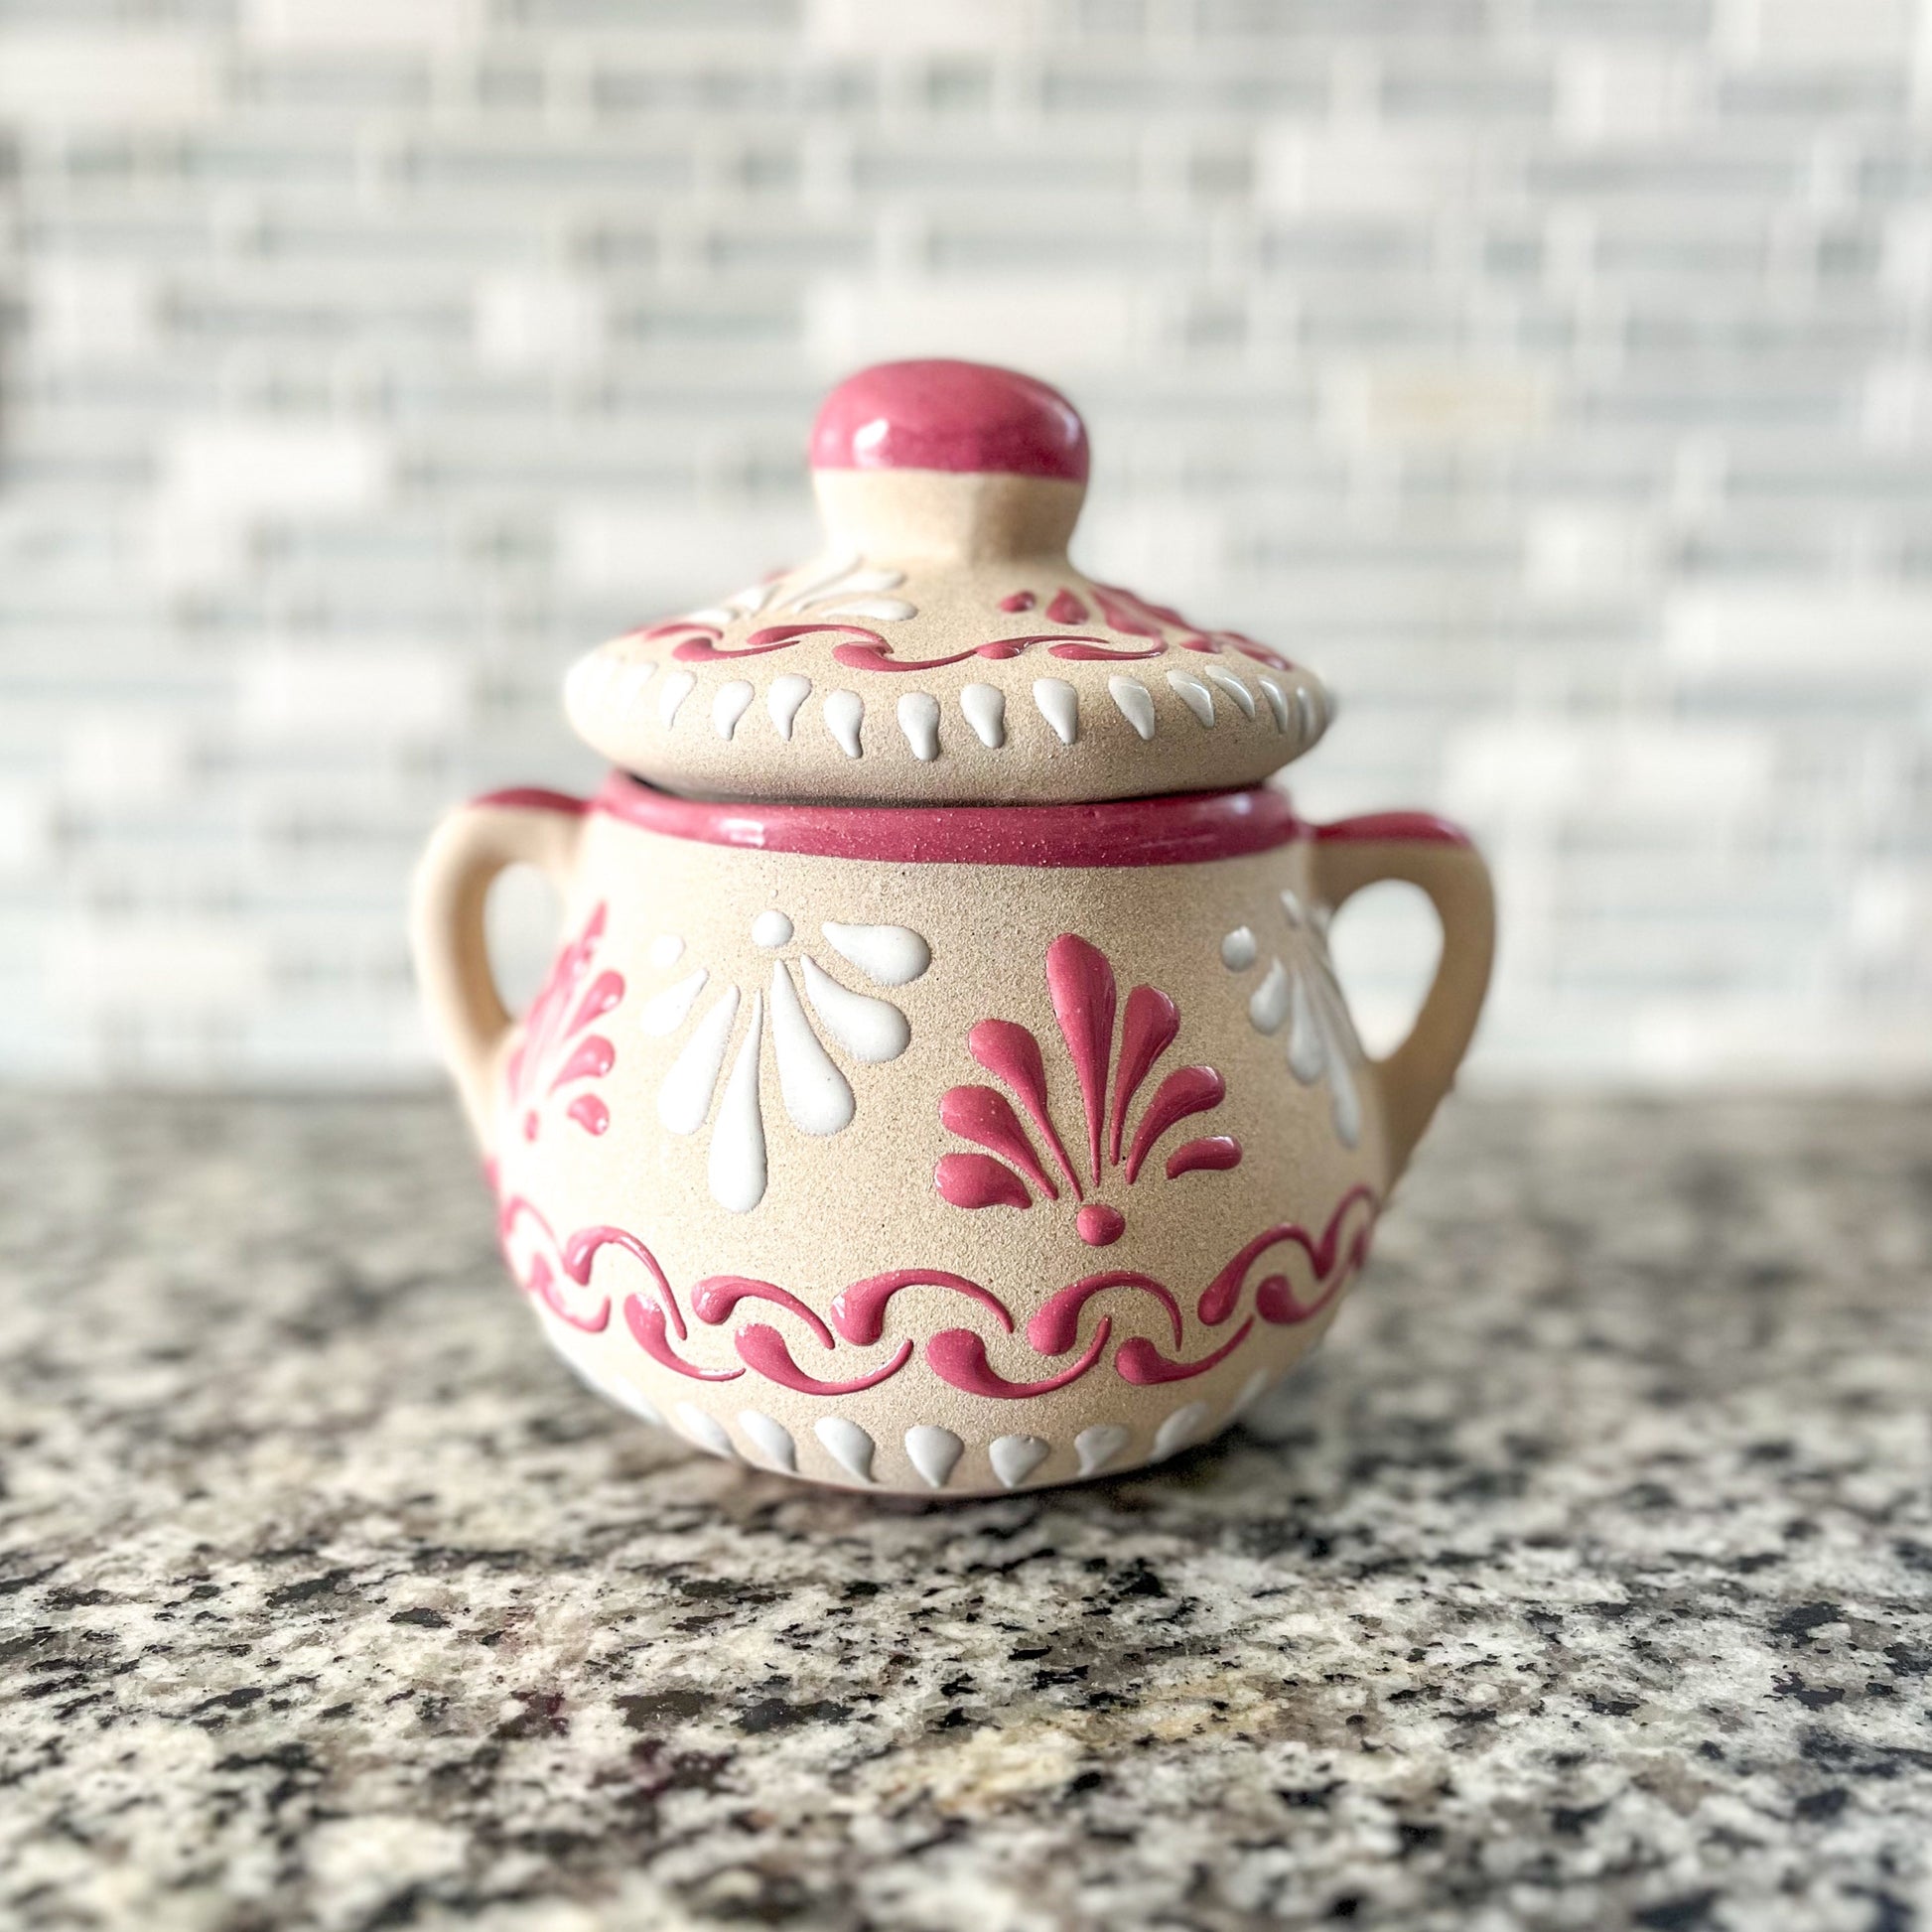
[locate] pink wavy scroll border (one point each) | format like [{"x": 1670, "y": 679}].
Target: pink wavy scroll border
[{"x": 655, "y": 1319}]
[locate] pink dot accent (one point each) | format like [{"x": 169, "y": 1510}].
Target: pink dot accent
[
  {"x": 1099, "y": 1227},
  {"x": 965, "y": 417}
]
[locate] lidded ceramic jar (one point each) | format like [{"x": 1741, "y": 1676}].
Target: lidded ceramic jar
[{"x": 942, "y": 1085}]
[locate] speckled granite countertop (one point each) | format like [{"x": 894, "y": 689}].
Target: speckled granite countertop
[{"x": 1584, "y": 1580}]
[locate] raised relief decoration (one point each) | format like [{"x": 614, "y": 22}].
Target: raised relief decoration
[
  {"x": 816, "y": 1095},
  {"x": 1284, "y": 1275},
  {"x": 562, "y": 1052},
  {"x": 1121, "y": 1179},
  {"x": 832, "y": 600},
  {"x": 1299, "y": 991},
  {"x": 1012, "y": 1170}
]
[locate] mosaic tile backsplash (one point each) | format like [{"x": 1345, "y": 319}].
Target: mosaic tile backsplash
[{"x": 1555, "y": 376}]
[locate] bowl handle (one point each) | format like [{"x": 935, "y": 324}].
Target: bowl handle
[
  {"x": 467, "y": 850},
  {"x": 1420, "y": 850}
]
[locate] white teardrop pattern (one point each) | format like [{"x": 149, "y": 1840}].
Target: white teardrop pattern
[
  {"x": 1299, "y": 991},
  {"x": 934, "y": 1453},
  {"x": 873, "y": 1031},
  {"x": 784, "y": 699},
  {"x": 664, "y": 1012},
  {"x": 770, "y": 1438},
  {"x": 848, "y": 1443},
  {"x": 684, "y": 1099},
  {"x": 887, "y": 955},
  {"x": 1268, "y": 1006},
  {"x": 984, "y": 705},
  {"x": 1329, "y": 1050},
  {"x": 815, "y": 1090},
  {"x": 735, "y": 1168}
]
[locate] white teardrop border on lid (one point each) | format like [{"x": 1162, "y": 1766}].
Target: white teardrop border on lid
[
  {"x": 1296, "y": 712},
  {"x": 1221, "y": 677}
]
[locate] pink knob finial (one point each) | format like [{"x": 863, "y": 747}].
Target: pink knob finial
[{"x": 959, "y": 416}]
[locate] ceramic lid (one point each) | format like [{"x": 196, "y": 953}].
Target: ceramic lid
[{"x": 942, "y": 649}]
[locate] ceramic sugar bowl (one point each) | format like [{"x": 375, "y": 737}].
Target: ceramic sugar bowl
[{"x": 941, "y": 1087}]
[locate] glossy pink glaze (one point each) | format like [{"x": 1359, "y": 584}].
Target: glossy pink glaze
[
  {"x": 604, "y": 993},
  {"x": 1214, "y": 1154},
  {"x": 777, "y": 636},
  {"x": 1187, "y": 1090},
  {"x": 535, "y": 798},
  {"x": 978, "y": 1180},
  {"x": 654, "y": 633},
  {"x": 1392, "y": 828},
  {"x": 1078, "y": 651},
  {"x": 1139, "y": 1363},
  {"x": 1147, "y": 1030},
  {"x": 1218, "y": 1297},
  {"x": 1185, "y": 828},
  {"x": 540, "y": 1280},
  {"x": 580, "y": 1252},
  {"x": 858, "y": 1311},
  {"x": 1123, "y": 610},
  {"x": 1067, "y": 609},
  {"x": 591, "y": 1058},
  {"x": 554, "y": 1048},
  {"x": 1081, "y": 985},
  {"x": 980, "y": 1115},
  {"x": 1099, "y": 1225},
  {"x": 714, "y": 1299},
  {"x": 1054, "y": 1326},
  {"x": 958, "y": 1356},
  {"x": 1018, "y": 600},
  {"x": 1181, "y": 828},
  {"x": 1008, "y": 1051},
  {"x": 877, "y": 655},
  {"x": 763, "y": 1350},
  {"x": 945, "y": 415},
  {"x": 647, "y": 1329}
]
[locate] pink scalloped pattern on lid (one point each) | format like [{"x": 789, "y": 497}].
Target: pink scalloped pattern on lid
[{"x": 965, "y": 417}]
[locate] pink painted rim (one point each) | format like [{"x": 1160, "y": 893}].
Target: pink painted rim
[
  {"x": 1183, "y": 828},
  {"x": 1393, "y": 828}
]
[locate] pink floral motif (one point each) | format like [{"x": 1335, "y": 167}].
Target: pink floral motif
[
  {"x": 559, "y": 1049},
  {"x": 704, "y": 648},
  {"x": 1080, "y": 983},
  {"x": 699, "y": 640},
  {"x": 1121, "y": 611},
  {"x": 877, "y": 655}
]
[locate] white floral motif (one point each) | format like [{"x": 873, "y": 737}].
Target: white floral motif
[
  {"x": 816, "y": 1092},
  {"x": 1303, "y": 994},
  {"x": 841, "y": 588}
]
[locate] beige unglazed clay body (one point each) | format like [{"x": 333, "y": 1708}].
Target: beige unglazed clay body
[
  {"x": 941, "y": 1174},
  {"x": 959, "y": 1098}
]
